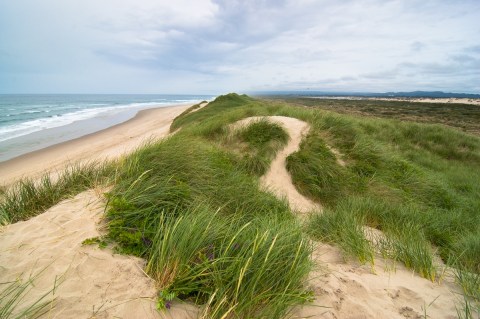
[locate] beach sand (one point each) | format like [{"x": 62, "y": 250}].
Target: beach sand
[{"x": 106, "y": 144}]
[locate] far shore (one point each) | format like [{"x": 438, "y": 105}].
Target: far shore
[
  {"x": 109, "y": 143},
  {"x": 404, "y": 99}
]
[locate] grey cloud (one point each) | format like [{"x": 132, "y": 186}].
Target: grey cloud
[
  {"x": 473, "y": 49},
  {"x": 347, "y": 45}
]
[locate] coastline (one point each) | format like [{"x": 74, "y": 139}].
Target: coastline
[{"x": 108, "y": 143}]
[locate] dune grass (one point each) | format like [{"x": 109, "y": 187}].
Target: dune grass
[
  {"x": 397, "y": 173},
  {"x": 345, "y": 229},
  {"x": 257, "y": 143},
  {"x": 192, "y": 108},
  {"x": 246, "y": 266},
  {"x": 29, "y": 197},
  {"x": 15, "y": 302}
]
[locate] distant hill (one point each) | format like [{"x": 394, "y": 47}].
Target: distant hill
[{"x": 425, "y": 94}]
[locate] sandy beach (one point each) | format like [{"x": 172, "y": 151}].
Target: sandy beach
[{"x": 106, "y": 144}]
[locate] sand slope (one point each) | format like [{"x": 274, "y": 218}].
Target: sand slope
[
  {"x": 95, "y": 283},
  {"x": 93, "y": 279},
  {"x": 351, "y": 290}
]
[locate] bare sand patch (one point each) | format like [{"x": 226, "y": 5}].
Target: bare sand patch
[
  {"x": 350, "y": 290},
  {"x": 405, "y": 99},
  {"x": 94, "y": 282}
]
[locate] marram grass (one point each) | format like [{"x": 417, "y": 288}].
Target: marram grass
[
  {"x": 257, "y": 144},
  {"x": 256, "y": 269},
  {"x": 29, "y": 197},
  {"x": 15, "y": 302}
]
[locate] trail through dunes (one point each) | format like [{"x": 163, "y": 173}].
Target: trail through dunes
[
  {"x": 202, "y": 105},
  {"x": 347, "y": 289},
  {"x": 277, "y": 179},
  {"x": 94, "y": 282}
]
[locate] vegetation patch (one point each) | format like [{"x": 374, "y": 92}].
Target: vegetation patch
[
  {"x": 208, "y": 233},
  {"x": 465, "y": 117},
  {"x": 416, "y": 183},
  {"x": 257, "y": 143},
  {"x": 30, "y": 197},
  {"x": 14, "y": 301}
]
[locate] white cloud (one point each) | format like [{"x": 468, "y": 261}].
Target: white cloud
[{"x": 220, "y": 45}]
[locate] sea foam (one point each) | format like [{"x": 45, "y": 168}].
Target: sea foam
[{"x": 51, "y": 121}]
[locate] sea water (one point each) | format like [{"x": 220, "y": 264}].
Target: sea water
[{"x": 31, "y": 122}]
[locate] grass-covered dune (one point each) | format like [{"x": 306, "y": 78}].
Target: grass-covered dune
[{"x": 191, "y": 205}]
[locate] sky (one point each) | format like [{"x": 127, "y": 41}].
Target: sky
[{"x": 215, "y": 46}]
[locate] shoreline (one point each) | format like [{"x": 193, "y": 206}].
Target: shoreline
[{"x": 107, "y": 143}]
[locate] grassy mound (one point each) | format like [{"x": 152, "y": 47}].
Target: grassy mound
[
  {"x": 257, "y": 143},
  {"x": 209, "y": 234}
]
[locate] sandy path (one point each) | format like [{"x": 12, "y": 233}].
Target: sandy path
[
  {"x": 351, "y": 290},
  {"x": 277, "y": 179},
  {"x": 106, "y": 144},
  {"x": 96, "y": 282}
]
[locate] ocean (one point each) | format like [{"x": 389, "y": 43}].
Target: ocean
[{"x": 31, "y": 122}]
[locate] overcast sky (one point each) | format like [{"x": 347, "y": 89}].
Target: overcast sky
[{"x": 215, "y": 46}]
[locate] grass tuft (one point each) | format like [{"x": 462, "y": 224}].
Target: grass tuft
[
  {"x": 345, "y": 229},
  {"x": 257, "y": 144},
  {"x": 14, "y": 303},
  {"x": 232, "y": 267},
  {"x": 30, "y": 197}
]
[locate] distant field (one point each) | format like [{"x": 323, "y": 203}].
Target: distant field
[{"x": 463, "y": 116}]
